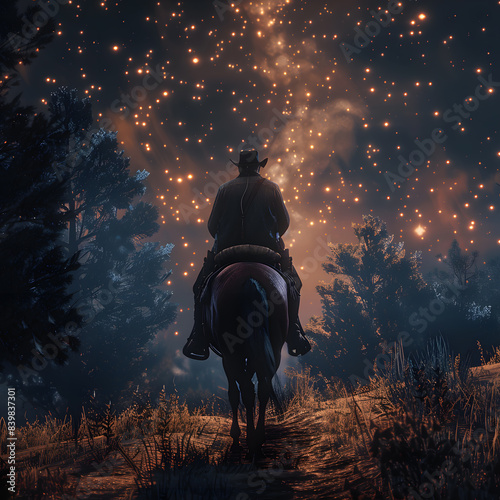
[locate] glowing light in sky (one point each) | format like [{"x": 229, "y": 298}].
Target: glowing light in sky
[{"x": 420, "y": 230}]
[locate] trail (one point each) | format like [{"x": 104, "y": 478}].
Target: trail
[
  {"x": 320, "y": 466},
  {"x": 315, "y": 450},
  {"x": 303, "y": 460}
]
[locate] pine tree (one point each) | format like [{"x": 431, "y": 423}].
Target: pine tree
[
  {"x": 464, "y": 273},
  {"x": 35, "y": 271},
  {"x": 470, "y": 295},
  {"x": 489, "y": 287},
  {"x": 375, "y": 288},
  {"x": 20, "y": 42},
  {"x": 121, "y": 281}
]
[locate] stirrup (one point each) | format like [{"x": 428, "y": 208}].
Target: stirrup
[
  {"x": 196, "y": 347},
  {"x": 188, "y": 352},
  {"x": 195, "y": 356},
  {"x": 298, "y": 345},
  {"x": 299, "y": 351}
]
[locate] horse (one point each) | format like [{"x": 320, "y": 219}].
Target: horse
[{"x": 246, "y": 321}]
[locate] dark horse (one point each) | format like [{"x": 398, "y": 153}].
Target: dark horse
[{"x": 247, "y": 322}]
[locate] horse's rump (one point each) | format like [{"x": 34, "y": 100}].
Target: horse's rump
[{"x": 245, "y": 296}]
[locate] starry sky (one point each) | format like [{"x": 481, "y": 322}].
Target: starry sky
[{"x": 336, "y": 100}]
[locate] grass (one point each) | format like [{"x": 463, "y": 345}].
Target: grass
[
  {"x": 173, "y": 466},
  {"x": 51, "y": 430},
  {"x": 442, "y": 436},
  {"x": 422, "y": 428},
  {"x": 493, "y": 356}
]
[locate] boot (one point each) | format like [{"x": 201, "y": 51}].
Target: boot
[
  {"x": 298, "y": 345},
  {"x": 197, "y": 345}
]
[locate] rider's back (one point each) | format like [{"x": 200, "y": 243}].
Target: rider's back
[{"x": 266, "y": 217}]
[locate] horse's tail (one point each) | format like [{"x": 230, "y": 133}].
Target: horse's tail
[{"x": 255, "y": 315}]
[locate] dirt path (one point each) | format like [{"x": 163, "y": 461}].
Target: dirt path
[
  {"x": 303, "y": 460},
  {"x": 324, "y": 466},
  {"x": 321, "y": 453}
]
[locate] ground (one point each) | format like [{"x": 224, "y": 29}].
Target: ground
[{"x": 316, "y": 450}]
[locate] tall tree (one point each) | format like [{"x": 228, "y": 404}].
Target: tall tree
[
  {"x": 489, "y": 287},
  {"x": 375, "y": 288},
  {"x": 464, "y": 273},
  {"x": 121, "y": 282},
  {"x": 35, "y": 271},
  {"x": 471, "y": 298}
]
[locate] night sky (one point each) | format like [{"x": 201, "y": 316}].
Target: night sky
[{"x": 184, "y": 84}]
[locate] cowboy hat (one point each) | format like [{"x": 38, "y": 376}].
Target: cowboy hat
[{"x": 250, "y": 158}]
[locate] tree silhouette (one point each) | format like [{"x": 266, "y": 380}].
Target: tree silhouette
[
  {"x": 35, "y": 271},
  {"x": 120, "y": 284},
  {"x": 464, "y": 272},
  {"x": 20, "y": 42},
  {"x": 489, "y": 288},
  {"x": 471, "y": 297},
  {"x": 375, "y": 288}
]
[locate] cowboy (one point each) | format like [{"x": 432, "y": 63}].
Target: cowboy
[{"x": 248, "y": 210}]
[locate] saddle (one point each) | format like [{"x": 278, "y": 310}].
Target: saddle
[
  {"x": 247, "y": 253},
  {"x": 239, "y": 253}
]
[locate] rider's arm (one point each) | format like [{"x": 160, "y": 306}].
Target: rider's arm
[
  {"x": 281, "y": 212},
  {"x": 213, "y": 221}
]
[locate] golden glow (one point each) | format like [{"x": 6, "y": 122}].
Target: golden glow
[{"x": 420, "y": 230}]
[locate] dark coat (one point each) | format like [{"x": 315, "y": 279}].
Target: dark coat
[{"x": 266, "y": 219}]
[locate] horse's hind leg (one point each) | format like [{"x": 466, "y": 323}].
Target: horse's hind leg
[
  {"x": 248, "y": 398},
  {"x": 234, "y": 400},
  {"x": 264, "y": 392}
]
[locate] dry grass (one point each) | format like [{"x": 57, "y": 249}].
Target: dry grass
[
  {"x": 442, "y": 434},
  {"x": 489, "y": 358},
  {"x": 422, "y": 428},
  {"x": 52, "y": 430}
]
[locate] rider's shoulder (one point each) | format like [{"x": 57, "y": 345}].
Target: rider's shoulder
[
  {"x": 271, "y": 186},
  {"x": 243, "y": 180}
]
